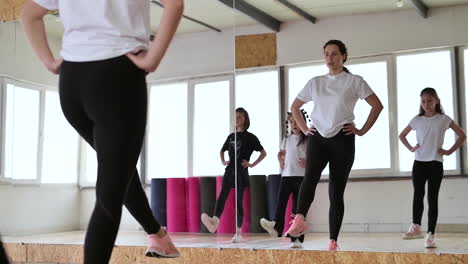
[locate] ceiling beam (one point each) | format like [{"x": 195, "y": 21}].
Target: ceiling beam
[
  {"x": 298, "y": 11},
  {"x": 421, "y": 7},
  {"x": 254, "y": 13},
  {"x": 191, "y": 18}
]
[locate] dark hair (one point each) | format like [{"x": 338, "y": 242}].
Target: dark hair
[
  {"x": 246, "y": 117},
  {"x": 303, "y": 137},
  {"x": 341, "y": 47},
  {"x": 432, "y": 92}
]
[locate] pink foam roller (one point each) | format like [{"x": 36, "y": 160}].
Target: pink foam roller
[
  {"x": 246, "y": 206},
  {"x": 193, "y": 202},
  {"x": 176, "y": 205},
  {"x": 227, "y": 222},
  {"x": 288, "y": 213}
]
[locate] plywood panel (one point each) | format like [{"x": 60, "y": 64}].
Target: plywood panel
[{"x": 255, "y": 50}]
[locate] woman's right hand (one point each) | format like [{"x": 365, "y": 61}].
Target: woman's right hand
[
  {"x": 54, "y": 65},
  {"x": 413, "y": 149},
  {"x": 225, "y": 163}
]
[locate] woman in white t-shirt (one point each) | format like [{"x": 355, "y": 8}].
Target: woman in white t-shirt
[
  {"x": 334, "y": 96},
  {"x": 106, "y": 55},
  {"x": 430, "y": 125},
  {"x": 292, "y": 162}
]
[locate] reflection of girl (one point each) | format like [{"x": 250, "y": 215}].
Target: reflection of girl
[
  {"x": 334, "y": 96},
  {"x": 240, "y": 144},
  {"x": 430, "y": 125},
  {"x": 292, "y": 161},
  {"x": 107, "y": 53}
]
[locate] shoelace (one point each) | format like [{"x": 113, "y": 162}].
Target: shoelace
[
  {"x": 293, "y": 218},
  {"x": 412, "y": 229}
]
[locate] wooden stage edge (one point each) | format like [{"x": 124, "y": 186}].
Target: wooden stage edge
[{"x": 47, "y": 253}]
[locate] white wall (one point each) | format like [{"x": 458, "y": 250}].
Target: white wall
[{"x": 38, "y": 210}]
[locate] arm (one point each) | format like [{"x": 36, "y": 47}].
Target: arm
[
  {"x": 405, "y": 142},
  {"x": 281, "y": 156},
  {"x": 246, "y": 164},
  {"x": 377, "y": 107},
  {"x": 223, "y": 161},
  {"x": 460, "y": 140},
  {"x": 296, "y": 112},
  {"x": 170, "y": 19},
  {"x": 33, "y": 24}
]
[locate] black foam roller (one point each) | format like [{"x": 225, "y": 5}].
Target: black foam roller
[
  {"x": 158, "y": 200},
  {"x": 273, "y": 185},
  {"x": 207, "y": 198},
  {"x": 258, "y": 202}
]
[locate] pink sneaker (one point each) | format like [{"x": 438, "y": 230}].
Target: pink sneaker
[
  {"x": 161, "y": 247},
  {"x": 333, "y": 245},
  {"x": 298, "y": 227},
  {"x": 414, "y": 232}
]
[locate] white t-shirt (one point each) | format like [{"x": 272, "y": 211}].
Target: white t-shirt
[
  {"x": 293, "y": 154},
  {"x": 334, "y": 100},
  {"x": 101, "y": 29},
  {"x": 430, "y": 133}
]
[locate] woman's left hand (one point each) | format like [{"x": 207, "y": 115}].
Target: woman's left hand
[
  {"x": 246, "y": 164},
  {"x": 351, "y": 129},
  {"x": 143, "y": 61},
  {"x": 444, "y": 152}
]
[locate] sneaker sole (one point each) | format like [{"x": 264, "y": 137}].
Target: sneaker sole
[
  {"x": 208, "y": 225},
  {"x": 413, "y": 237},
  {"x": 269, "y": 229},
  {"x": 156, "y": 254}
]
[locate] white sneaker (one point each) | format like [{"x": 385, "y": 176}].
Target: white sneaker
[
  {"x": 211, "y": 223},
  {"x": 414, "y": 232},
  {"x": 269, "y": 226},
  {"x": 237, "y": 237},
  {"x": 296, "y": 244},
  {"x": 429, "y": 241}
]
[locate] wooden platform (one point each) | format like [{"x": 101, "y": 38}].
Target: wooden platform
[{"x": 258, "y": 248}]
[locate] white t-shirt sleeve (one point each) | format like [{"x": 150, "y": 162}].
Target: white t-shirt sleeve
[
  {"x": 414, "y": 123},
  {"x": 306, "y": 93},
  {"x": 47, "y": 4},
  {"x": 364, "y": 89},
  {"x": 447, "y": 121},
  {"x": 283, "y": 144}
]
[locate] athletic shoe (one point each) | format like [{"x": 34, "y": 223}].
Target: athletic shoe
[
  {"x": 429, "y": 241},
  {"x": 211, "y": 223},
  {"x": 298, "y": 226},
  {"x": 414, "y": 232},
  {"x": 333, "y": 245},
  {"x": 269, "y": 226},
  {"x": 161, "y": 247}
]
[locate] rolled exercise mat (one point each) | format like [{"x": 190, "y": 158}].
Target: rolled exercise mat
[
  {"x": 246, "y": 208},
  {"x": 258, "y": 202},
  {"x": 207, "y": 198},
  {"x": 193, "y": 204},
  {"x": 227, "y": 221},
  {"x": 288, "y": 214},
  {"x": 158, "y": 200},
  {"x": 273, "y": 185},
  {"x": 176, "y": 205}
]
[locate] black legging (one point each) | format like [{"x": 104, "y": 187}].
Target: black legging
[
  {"x": 432, "y": 172},
  {"x": 339, "y": 152},
  {"x": 289, "y": 185},
  {"x": 229, "y": 183},
  {"x": 106, "y": 102}
]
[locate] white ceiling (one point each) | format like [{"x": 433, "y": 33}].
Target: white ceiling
[{"x": 216, "y": 14}]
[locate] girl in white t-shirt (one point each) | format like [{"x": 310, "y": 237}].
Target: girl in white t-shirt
[
  {"x": 430, "y": 125},
  {"x": 107, "y": 53},
  {"x": 292, "y": 162},
  {"x": 334, "y": 96}
]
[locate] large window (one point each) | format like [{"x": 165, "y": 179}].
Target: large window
[
  {"x": 414, "y": 73},
  {"x": 167, "y": 132},
  {"x": 211, "y": 126},
  {"x": 60, "y": 149},
  {"x": 298, "y": 78},
  {"x": 258, "y": 93},
  {"x": 22, "y": 132},
  {"x": 367, "y": 155}
]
